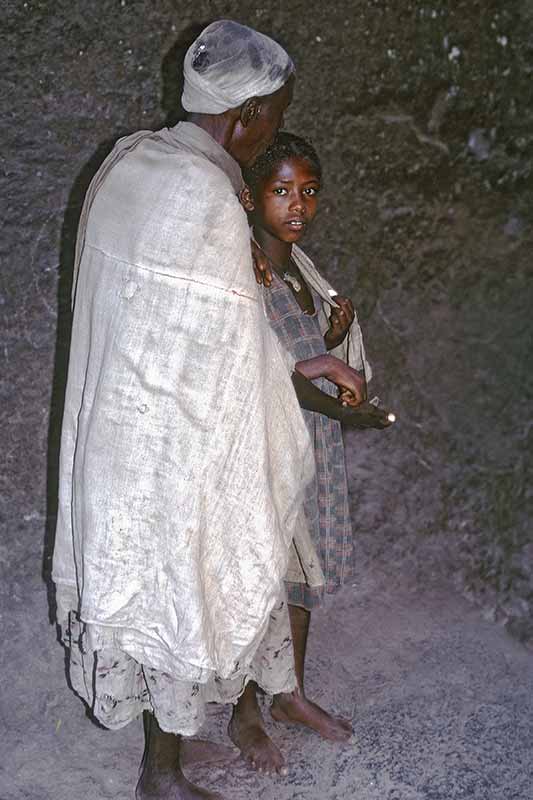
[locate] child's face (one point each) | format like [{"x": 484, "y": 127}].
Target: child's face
[{"x": 285, "y": 202}]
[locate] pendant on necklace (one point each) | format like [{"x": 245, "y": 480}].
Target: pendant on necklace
[{"x": 294, "y": 282}]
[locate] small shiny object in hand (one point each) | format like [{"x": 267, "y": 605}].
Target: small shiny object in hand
[{"x": 391, "y": 417}]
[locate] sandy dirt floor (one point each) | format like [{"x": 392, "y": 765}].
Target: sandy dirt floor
[{"x": 442, "y": 704}]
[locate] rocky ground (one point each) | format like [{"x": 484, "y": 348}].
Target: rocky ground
[
  {"x": 422, "y": 114},
  {"x": 442, "y": 704}
]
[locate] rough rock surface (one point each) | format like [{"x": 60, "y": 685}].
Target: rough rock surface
[{"x": 422, "y": 114}]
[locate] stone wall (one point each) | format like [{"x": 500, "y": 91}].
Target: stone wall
[{"x": 421, "y": 112}]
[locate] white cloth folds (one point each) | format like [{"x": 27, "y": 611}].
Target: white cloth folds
[
  {"x": 352, "y": 349},
  {"x": 184, "y": 454}
]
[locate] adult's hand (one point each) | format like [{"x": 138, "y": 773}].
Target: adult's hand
[
  {"x": 365, "y": 416},
  {"x": 339, "y": 322},
  {"x": 262, "y": 268}
]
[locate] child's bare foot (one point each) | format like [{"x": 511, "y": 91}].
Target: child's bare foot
[
  {"x": 296, "y": 708},
  {"x": 155, "y": 785},
  {"x": 247, "y": 732}
]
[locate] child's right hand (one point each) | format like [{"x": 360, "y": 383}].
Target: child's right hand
[
  {"x": 338, "y": 372},
  {"x": 348, "y": 398},
  {"x": 352, "y": 384}
]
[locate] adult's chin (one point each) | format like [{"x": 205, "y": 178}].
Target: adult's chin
[{"x": 259, "y": 150}]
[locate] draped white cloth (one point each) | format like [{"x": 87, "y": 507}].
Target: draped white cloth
[
  {"x": 229, "y": 63},
  {"x": 352, "y": 349},
  {"x": 184, "y": 454}
]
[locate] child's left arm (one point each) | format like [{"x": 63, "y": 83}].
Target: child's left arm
[{"x": 339, "y": 322}]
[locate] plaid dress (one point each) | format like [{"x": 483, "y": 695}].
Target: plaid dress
[{"x": 326, "y": 503}]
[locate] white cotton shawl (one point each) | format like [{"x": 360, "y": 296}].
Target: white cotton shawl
[
  {"x": 184, "y": 453},
  {"x": 352, "y": 349}
]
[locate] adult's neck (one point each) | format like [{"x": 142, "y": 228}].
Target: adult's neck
[
  {"x": 278, "y": 252},
  {"x": 218, "y": 126}
]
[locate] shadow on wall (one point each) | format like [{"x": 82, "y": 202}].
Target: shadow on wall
[
  {"x": 172, "y": 73},
  {"x": 172, "y": 87}
]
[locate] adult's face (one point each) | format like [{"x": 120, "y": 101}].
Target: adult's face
[{"x": 260, "y": 120}]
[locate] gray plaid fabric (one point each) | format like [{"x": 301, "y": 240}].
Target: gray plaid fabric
[{"x": 326, "y": 504}]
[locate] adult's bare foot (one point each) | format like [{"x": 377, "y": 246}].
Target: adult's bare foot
[
  {"x": 170, "y": 786},
  {"x": 296, "y": 708},
  {"x": 247, "y": 732},
  {"x": 161, "y": 773}
]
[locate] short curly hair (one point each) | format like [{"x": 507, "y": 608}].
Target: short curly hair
[{"x": 286, "y": 145}]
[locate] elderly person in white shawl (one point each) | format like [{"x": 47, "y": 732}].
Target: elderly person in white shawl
[{"x": 184, "y": 454}]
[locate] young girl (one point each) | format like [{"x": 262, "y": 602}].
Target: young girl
[{"x": 281, "y": 198}]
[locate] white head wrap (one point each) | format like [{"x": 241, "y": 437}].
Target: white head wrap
[{"x": 227, "y": 64}]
